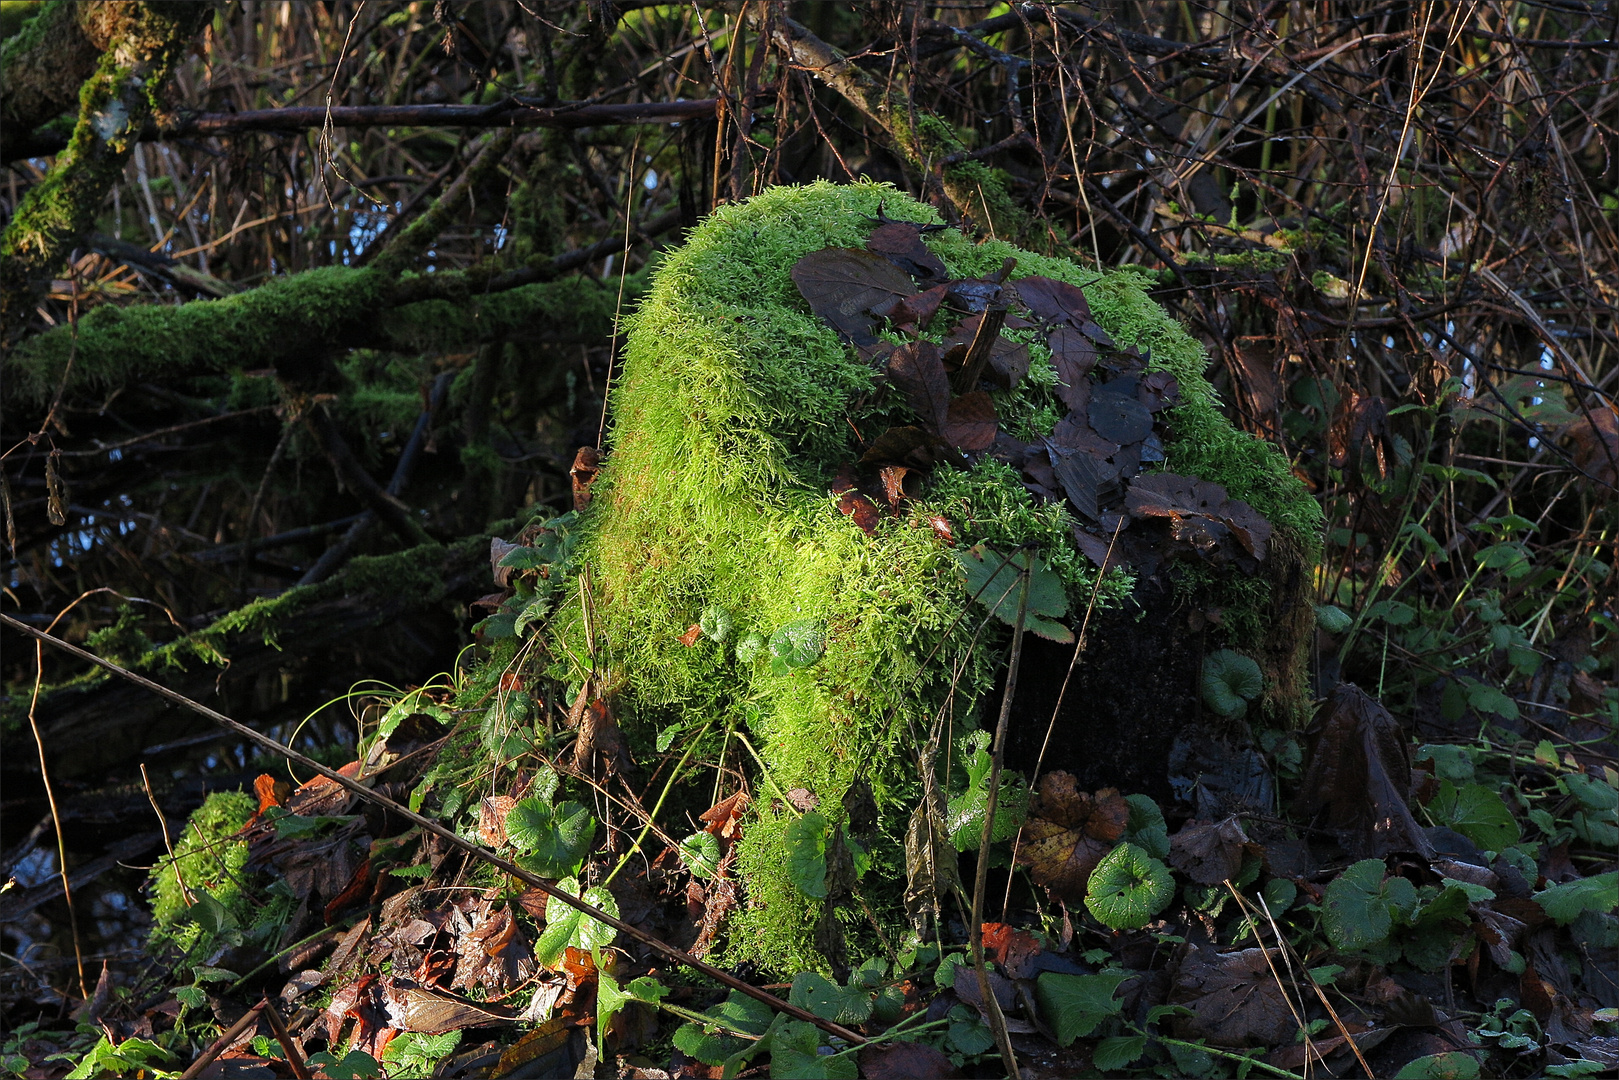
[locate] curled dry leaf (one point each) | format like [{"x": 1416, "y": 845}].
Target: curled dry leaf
[
  {"x": 492, "y": 811},
  {"x": 851, "y": 289},
  {"x": 693, "y": 632},
  {"x": 915, "y": 312},
  {"x": 1068, "y": 833},
  {"x": 1185, "y": 498},
  {"x": 586, "y": 464},
  {"x": 856, "y": 506},
  {"x": 1596, "y": 443}
]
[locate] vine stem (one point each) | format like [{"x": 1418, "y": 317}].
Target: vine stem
[{"x": 975, "y": 929}]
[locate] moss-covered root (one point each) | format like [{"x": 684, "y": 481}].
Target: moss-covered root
[{"x": 114, "y": 103}]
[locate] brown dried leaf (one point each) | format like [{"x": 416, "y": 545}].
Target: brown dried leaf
[
  {"x": 1068, "y": 833},
  {"x": 1119, "y": 418},
  {"x": 433, "y": 1012},
  {"x": 1210, "y": 852},
  {"x": 1357, "y": 775},
  {"x": 900, "y": 242},
  {"x": 586, "y": 464},
  {"x": 1158, "y": 390},
  {"x": 851, "y": 289},
  {"x": 915, "y": 312},
  {"x": 917, "y": 370},
  {"x": 1054, "y": 301},
  {"x": 693, "y": 632},
  {"x": 854, "y": 505},
  {"x": 1234, "y": 998},
  {"x": 1596, "y": 443},
  {"x": 1087, "y": 479},
  {"x": 1016, "y": 951},
  {"x": 498, "y": 550},
  {"x": 893, "y": 478},
  {"x": 971, "y": 422},
  {"x": 492, "y": 811}
]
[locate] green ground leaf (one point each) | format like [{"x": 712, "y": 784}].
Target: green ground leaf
[
  {"x": 993, "y": 579},
  {"x": 1450, "y": 1066},
  {"x": 717, "y": 624},
  {"x": 805, "y": 840},
  {"x": 1147, "y": 829},
  {"x": 795, "y": 1053},
  {"x": 750, "y": 647},
  {"x": 701, "y": 853},
  {"x": 710, "y": 1043},
  {"x": 964, "y": 814},
  {"x": 798, "y": 644},
  {"x": 1118, "y": 1051},
  {"x": 1567, "y": 901},
  {"x": 1128, "y": 887},
  {"x": 1230, "y": 681},
  {"x": 1334, "y": 620},
  {"x": 1360, "y": 906},
  {"x": 1075, "y": 1005},
  {"x": 611, "y": 998},
  {"x": 566, "y": 926},
  {"x": 1477, "y": 812},
  {"x": 554, "y": 840},
  {"x": 828, "y": 1000}
]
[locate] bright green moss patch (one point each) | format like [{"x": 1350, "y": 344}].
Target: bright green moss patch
[
  {"x": 735, "y": 407},
  {"x": 211, "y": 865}
]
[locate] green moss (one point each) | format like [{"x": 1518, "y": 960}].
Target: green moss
[
  {"x": 211, "y": 864},
  {"x": 735, "y": 406}
]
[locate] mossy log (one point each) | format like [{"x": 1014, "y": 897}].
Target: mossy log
[
  {"x": 393, "y": 613},
  {"x": 735, "y": 409}
]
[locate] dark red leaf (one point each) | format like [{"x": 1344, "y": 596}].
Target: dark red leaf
[
  {"x": 893, "y": 478},
  {"x": 850, "y": 289},
  {"x": 906, "y": 1061},
  {"x": 971, "y": 422},
  {"x": 1087, "y": 480},
  {"x": 1158, "y": 390},
  {"x": 1118, "y": 418},
  {"x": 911, "y": 446},
  {"x": 1068, "y": 833},
  {"x": 917, "y": 311},
  {"x": 1054, "y": 301},
  {"x": 915, "y": 368},
  {"x": 1014, "y": 950},
  {"x": 1072, "y": 356},
  {"x": 586, "y": 464},
  {"x": 1167, "y": 495},
  {"x": 901, "y": 243},
  {"x": 1210, "y": 852},
  {"x": 942, "y": 529}
]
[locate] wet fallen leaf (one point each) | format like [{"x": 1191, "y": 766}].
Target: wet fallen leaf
[
  {"x": 586, "y": 464},
  {"x": 1234, "y": 998},
  {"x": 1054, "y": 301},
  {"x": 1183, "y": 499},
  {"x": 916, "y": 369},
  {"x": 893, "y": 479},
  {"x": 906, "y": 1061},
  {"x": 1118, "y": 417},
  {"x": 851, "y": 289},
  {"x": 909, "y": 446},
  {"x": 1158, "y": 390},
  {"x": 1016, "y": 951},
  {"x": 971, "y": 422},
  {"x": 1068, "y": 833},
  {"x": 900, "y": 242},
  {"x": 1088, "y": 480},
  {"x": 1357, "y": 775},
  {"x": 1210, "y": 852},
  {"x": 915, "y": 312},
  {"x": 1072, "y": 357},
  {"x": 941, "y": 529}
]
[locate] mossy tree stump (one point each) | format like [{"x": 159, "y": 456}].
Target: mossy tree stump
[{"x": 734, "y": 411}]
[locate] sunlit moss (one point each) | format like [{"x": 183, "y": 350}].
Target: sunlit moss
[
  {"x": 734, "y": 407},
  {"x": 210, "y": 863}
]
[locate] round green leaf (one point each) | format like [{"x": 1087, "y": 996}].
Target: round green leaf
[
  {"x": 749, "y": 648},
  {"x": 716, "y": 624},
  {"x": 1230, "y": 681},
  {"x": 798, "y": 644},
  {"x": 701, "y": 853},
  {"x": 1128, "y": 887},
  {"x": 806, "y": 854},
  {"x": 1334, "y": 620},
  {"x": 567, "y": 926}
]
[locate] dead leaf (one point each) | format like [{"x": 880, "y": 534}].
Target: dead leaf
[
  {"x": 359, "y": 887},
  {"x": 492, "y": 811},
  {"x": 1117, "y": 417},
  {"x": 971, "y": 422},
  {"x": 599, "y": 749},
  {"x": 915, "y": 312},
  {"x": 1054, "y": 301},
  {"x": 1234, "y": 998},
  {"x": 909, "y": 446},
  {"x": 1360, "y": 430},
  {"x": 893, "y": 478},
  {"x": 724, "y": 819},
  {"x": 900, "y": 242},
  {"x": 693, "y": 632},
  {"x": 916, "y": 369},
  {"x": 271, "y": 790},
  {"x": 1210, "y": 853},
  {"x": 968, "y": 990},
  {"x": 976, "y": 294},
  {"x": 1072, "y": 357},
  {"x": 586, "y": 464},
  {"x": 1016, "y": 951},
  {"x": 1357, "y": 775},
  {"x": 985, "y": 334},
  {"x": 852, "y": 504},
  {"x": 851, "y": 289},
  {"x": 1088, "y": 479},
  {"x": 906, "y": 1061},
  {"x": 1596, "y": 443},
  {"x": 1068, "y": 833},
  {"x": 1180, "y": 498},
  {"x": 1158, "y": 390},
  {"x": 433, "y": 1012},
  {"x": 942, "y": 529}
]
